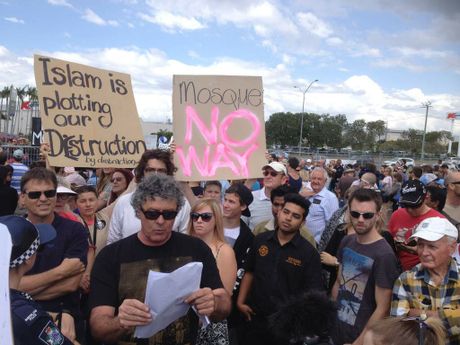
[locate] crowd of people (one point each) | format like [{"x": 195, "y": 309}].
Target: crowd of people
[{"x": 313, "y": 252}]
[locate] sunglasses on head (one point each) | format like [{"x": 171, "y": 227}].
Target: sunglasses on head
[
  {"x": 205, "y": 217},
  {"x": 366, "y": 215},
  {"x": 37, "y": 194},
  {"x": 272, "y": 173},
  {"x": 154, "y": 214}
]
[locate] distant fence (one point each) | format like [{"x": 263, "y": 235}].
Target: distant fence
[{"x": 31, "y": 153}]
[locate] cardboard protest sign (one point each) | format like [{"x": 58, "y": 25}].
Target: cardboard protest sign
[
  {"x": 219, "y": 128},
  {"x": 89, "y": 115}
]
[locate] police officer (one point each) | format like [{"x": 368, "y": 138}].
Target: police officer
[{"x": 31, "y": 324}]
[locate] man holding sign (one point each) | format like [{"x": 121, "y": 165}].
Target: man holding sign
[
  {"x": 88, "y": 114},
  {"x": 121, "y": 269},
  {"x": 219, "y": 127}
]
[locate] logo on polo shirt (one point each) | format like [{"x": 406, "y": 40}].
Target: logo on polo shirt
[
  {"x": 293, "y": 261},
  {"x": 263, "y": 250}
]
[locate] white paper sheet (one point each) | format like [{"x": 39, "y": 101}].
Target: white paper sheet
[
  {"x": 165, "y": 295},
  {"x": 5, "y": 317}
]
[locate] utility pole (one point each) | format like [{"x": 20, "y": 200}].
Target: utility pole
[
  {"x": 426, "y": 105},
  {"x": 304, "y": 91}
]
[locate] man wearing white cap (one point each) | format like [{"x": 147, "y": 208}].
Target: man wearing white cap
[
  {"x": 19, "y": 169},
  {"x": 432, "y": 288},
  {"x": 275, "y": 174}
]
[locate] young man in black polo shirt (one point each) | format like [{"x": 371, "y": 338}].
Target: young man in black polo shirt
[{"x": 280, "y": 264}]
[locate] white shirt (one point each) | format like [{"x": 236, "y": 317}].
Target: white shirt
[
  {"x": 260, "y": 208},
  {"x": 124, "y": 222},
  {"x": 323, "y": 205},
  {"x": 231, "y": 234}
]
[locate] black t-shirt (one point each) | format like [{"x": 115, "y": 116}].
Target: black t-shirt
[
  {"x": 9, "y": 198},
  {"x": 121, "y": 271},
  {"x": 281, "y": 271}
]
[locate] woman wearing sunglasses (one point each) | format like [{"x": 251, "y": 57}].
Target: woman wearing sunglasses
[
  {"x": 120, "y": 180},
  {"x": 206, "y": 223}
]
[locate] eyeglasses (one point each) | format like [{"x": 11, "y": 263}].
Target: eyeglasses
[
  {"x": 272, "y": 173},
  {"x": 37, "y": 194},
  {"x": 205, "y": 217},
  {"x": 116, "y": 179},
  {"x": 366, "y": 215},
  {"x": 63, "y": 196},
  {"x": 155, "y": 171},
  {"x": 154, "y": 214}
]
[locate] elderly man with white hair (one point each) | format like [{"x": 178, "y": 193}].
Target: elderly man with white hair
[
  {"x": 432, "y": 288},
  {"x": 323, "y": 203}
]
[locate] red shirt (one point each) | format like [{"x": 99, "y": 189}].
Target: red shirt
[{"x": 404, "y": 222}]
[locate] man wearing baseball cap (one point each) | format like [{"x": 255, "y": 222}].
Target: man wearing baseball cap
[
  {"x": 19, "y": 169},
  {"x": 275, "y": 174},
  {"x": 31, "y": 324},
  {"x": 404, "y": 220},
  {"x": 432, "y": 288}
]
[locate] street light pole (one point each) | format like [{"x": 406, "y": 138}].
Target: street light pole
[
  {"x": 303, "y": 111},
  {"x": 426, "y": 105}
]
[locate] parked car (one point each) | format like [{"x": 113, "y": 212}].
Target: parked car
[{"x": 409, "y": 161}]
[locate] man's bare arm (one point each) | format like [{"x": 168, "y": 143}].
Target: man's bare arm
[
  {"x": 36, "y": 283},
  {"x": 108, "y": 328},
  {"x": 335, "y": 288},
  {"x": 223, "y": 304},
  {"x": 60, "y": 288}
]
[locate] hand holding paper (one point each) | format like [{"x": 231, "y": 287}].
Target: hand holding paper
[
  {"x": 134, "y": 313},
  {"x": 203, "y": 300},
  {"x": 166, "y": 294}
]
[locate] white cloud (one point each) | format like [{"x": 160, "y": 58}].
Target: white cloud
[
  {"x": 314, "y": 25},
  {"x": 64, "y": 3},
  {"x": 14, "y": 20},
  {"x": 92, "y": 17},
  {"x": 357, "y": 96},
  {"x": 172, "y": 22},
  {"x": 334, "y": 41}
]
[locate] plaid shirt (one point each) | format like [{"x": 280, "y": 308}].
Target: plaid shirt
[{"x": 415, "y": 290}]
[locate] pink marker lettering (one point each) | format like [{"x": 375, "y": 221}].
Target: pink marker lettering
[
  {"x": 209, "y": 134},
  {"x": 243, "y": 159},
  {"x": 221, "y": 160},
  {"x": 247, "y": 115},
  {"x": 186, "y": 162}
]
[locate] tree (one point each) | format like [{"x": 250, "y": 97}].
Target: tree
[
  {"x": 333, "y": 129},
  {"x": 356, "y": 135},
  {"x": 164, "y": 133},
  {"x": 283, "y": 129},
  {"x": 375, "y": 130}
]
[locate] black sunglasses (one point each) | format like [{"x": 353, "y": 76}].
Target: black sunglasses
[
  {"x": 154, "y": 214},
  {"x": 366, "y": 215},
  {"x": 206, "y": 216},
  {"x": 36, "y": 195},
  {"x": 272, "y": 173}
]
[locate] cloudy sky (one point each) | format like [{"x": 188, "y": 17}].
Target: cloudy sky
[{"x": 377, "y": 59}]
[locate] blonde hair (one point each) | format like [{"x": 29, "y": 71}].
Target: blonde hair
[
  {"x": 392, "y": 330},
  {"x": 217, "y": 214}
]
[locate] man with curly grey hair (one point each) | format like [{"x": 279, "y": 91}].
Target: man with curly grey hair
[{"x": 121, "y": 269}]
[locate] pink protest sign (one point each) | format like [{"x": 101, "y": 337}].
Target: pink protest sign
[{"x": 219, "y": 127}]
